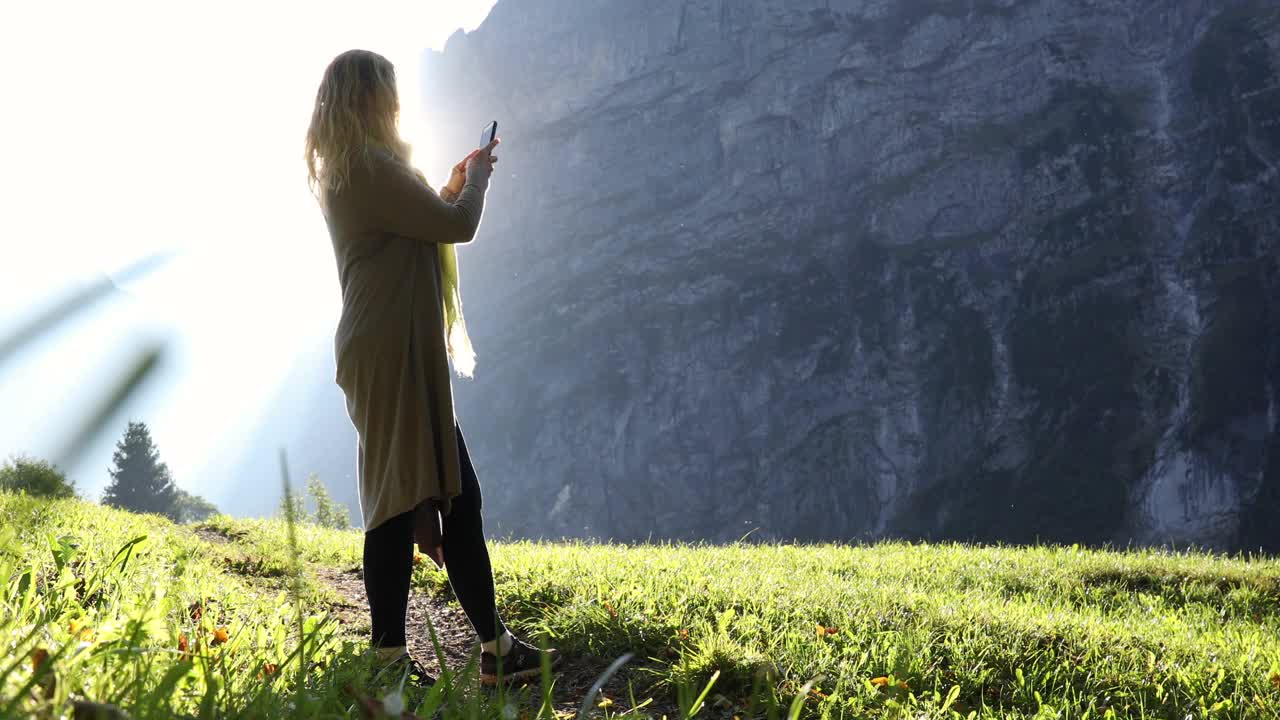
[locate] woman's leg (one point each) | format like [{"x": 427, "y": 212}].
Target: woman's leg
[
  {"x": 388, "y": 566},
  {"x": 465, "y": 556}
]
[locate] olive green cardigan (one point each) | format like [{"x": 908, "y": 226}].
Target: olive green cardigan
[{"x": 389, "y": 347}]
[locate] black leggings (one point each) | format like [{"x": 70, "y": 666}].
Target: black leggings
[{"x": 388, "y": 564}]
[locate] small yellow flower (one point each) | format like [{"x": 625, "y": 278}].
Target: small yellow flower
[
  {"x": 880, "y": 681},
  {"x": 220, "y": 635},
  {"x": 81, "y": 631}
]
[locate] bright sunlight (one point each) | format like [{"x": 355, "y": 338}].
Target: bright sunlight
[{"x": 153, "y": 127}]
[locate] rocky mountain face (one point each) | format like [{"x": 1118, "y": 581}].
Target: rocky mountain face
[{"x": 985, "y": 270}]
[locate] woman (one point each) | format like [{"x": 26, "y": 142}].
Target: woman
[{"x": 401, "y": 323}]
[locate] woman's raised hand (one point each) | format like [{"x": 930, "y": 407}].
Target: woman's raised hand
[
  {"x": 479, "y": 164},
  {"x": 458, "y": 177},
  {"x": 470, "y": 166}
]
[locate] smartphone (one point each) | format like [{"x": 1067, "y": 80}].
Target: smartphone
[{"x": 489, "y": 132}]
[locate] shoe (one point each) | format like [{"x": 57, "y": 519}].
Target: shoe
[
  {"x": 521, "y": 661},
  {"x": 397, "y": 667}
]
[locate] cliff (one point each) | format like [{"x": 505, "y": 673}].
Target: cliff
[{"x": 993, "y": 270}]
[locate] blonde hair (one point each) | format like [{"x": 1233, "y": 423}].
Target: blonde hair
[{"x": 357, "y": 105}]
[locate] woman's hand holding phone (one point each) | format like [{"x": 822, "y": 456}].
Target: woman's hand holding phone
[
  {"x": 479, "y": 164},
  {"x": 463, "y": 169},
  {"x": 457, "y": 178}
]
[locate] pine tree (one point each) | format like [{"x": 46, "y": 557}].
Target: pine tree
[
  {"x": 139, "y": 481},
  {"x": 299, "y": 507},
  {"x": 329, "y": 513}
]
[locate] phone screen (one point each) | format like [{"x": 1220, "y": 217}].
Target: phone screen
[{"x": 489, "y": 132}]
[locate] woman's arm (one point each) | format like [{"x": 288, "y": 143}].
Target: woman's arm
[{"x": 399, "y": 202}]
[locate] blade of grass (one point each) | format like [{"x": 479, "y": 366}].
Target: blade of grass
[
  {"x": 125, "y": 386},
  {"x": 293, "y": 654},
  {"x": 432, "y": 702},
  {"x": 125, "y": 552},
  {"x": 44, "y": 670},
  {"x": 162, "y": 693},
  {"x": 697, "y": 704},
  {"x": 548, "y": 681},
  {"x": 75, "y": 303},
  {"x": 798, "y": 703},
  {"x": 631, "y": 694},
  {"x": 599, "y": 683},
  {"x": 18, "y": 654},
  {"x": 446, "y": 676},
  {"x": 294, "y": 587}
]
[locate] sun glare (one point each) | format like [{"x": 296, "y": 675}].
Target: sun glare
[{"x": 175, "y": 128}]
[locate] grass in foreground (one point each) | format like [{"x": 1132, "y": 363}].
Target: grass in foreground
[{"x": 881, "y": 631}]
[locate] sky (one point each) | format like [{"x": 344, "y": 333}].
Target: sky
[{"x": 134, "y": 128}]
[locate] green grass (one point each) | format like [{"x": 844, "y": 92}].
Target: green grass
[{"x": 908, "y": 631}]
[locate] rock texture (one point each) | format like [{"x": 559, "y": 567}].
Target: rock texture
[
  {"x": 985, "y": 270},
  {"x": 991, "y": 269}
]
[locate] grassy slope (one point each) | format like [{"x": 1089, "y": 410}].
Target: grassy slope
[{"x": 1049, "y": 632}]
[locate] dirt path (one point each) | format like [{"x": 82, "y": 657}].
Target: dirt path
[
  {"x": 450, "y": 624},
  {"x": 211, "y": 535},
  {"x": 574, "y": 676}
]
